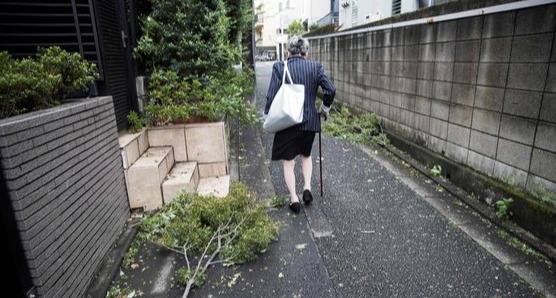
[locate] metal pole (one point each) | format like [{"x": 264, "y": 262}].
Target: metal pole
[{"x": 320, "y": 158}]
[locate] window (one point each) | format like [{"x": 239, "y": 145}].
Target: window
[
  {"x": 396, "y": 7},
  {"x": 279, "y": 6},
  {"x": 288, "y": 4},
  {"x": 27, "y": 24}
]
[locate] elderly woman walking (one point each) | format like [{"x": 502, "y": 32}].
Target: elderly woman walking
[{"x": 298, "y": 139}]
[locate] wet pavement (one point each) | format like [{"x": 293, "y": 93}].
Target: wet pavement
[{"x": 381, "y": 229}]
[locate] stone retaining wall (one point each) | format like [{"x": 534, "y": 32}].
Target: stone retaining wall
[
  {"x": 64, "y": 182},
  {"x": 480, "y": 91}
]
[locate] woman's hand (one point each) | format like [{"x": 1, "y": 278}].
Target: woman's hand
[{"x": 323, "y": 112}]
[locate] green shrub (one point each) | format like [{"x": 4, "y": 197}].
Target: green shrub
[
  {"x": 230, "y": 88},
  {"x": 31, "y": 84},
  {"x": 190, "y": 38},
  {"x": 362, "y": 128},
  {"x": 188, "y": 49},
  {"x": 503, "y": 208},
  {"x": 436, "y": 171},
  {"x": 173, "y": 99},
  {"x": 135, "y": 121},
  {"x": 75, "y": 72},
  {"x": 295, "y": 28},
  {"x": 190, "y": 220}
]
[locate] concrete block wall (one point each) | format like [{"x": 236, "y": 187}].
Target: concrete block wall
[
  {"x": 479, "y": 90},
  {"x": 64, "y": 180}
]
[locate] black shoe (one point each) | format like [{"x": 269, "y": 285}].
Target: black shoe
[
  {"x": 295, "y": 207},
  {"x": 307, "y": 197}
]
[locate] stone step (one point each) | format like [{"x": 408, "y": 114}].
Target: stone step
[
  {"x": 132, "y": 146},
  {"x": 144, "y": 178},
  {"x": 184, "y": 176},
  {"x": 217, "y": 186}
]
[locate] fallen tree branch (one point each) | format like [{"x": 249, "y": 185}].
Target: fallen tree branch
[{"x": 223, "y": 236}]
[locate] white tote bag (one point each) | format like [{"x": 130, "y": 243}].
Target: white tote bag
[{"x": 287, "y": 107}]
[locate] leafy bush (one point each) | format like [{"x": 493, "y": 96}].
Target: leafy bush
[
  {"x": 503, "y": 207},
  {"x": 31, "y": 84},
  {"x": 295, "y": 28},
  {"x": 231, "y": 87},
  {"x": 210, "y": 230},
  {"x": 136, "y": 123},
  {"x": 174, "y": 99},
  {"x": 436, "y": 171},
  {"x": 188, "y": 49},
  {"x": 314, "y": 27},
  {"x": 361, "y": 129},
  {"x": 190, "y": 38},
  {"x": 75, "y": 72},
  {"x": 241, "y": 17},
  {"x": 190, "y": 220}
]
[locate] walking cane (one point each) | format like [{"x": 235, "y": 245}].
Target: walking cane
[{"x": 320, "y": 156}]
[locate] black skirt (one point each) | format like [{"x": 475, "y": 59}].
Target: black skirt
[{"x": 290, "y": 143}]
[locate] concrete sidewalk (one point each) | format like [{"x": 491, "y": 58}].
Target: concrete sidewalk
[{"x": 380, "y": 230}]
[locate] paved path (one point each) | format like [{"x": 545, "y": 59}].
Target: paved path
[{"x": 380, "y": 230}]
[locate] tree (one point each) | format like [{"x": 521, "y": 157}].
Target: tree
[
  {"x": 239, "y": 13},
  {"x": 295, "y": 28},
  {"x": 314, "y": 26},
  {"x": 191, "y": 38}
]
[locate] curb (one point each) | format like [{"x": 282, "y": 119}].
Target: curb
[
  {"x": 508, "y": 226},
  {"x": 112, "y": 262}
]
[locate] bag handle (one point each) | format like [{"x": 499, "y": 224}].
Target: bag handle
[{"x": 288, "y": 72}]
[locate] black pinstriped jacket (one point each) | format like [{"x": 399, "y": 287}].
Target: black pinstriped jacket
[{"x": 311, "y": 74}]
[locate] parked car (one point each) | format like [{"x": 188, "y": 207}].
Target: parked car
[{"x": 263, "y": 57}]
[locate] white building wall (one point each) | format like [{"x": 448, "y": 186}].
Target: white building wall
[
  {"x": 317, "y": 10},
  {"x": 353, "y": 12},
  {"x": 409, "y": 6},
  {"x": 268, "y": 13},
  {"x": 269, "y": 29},
  {"x": 377, "y": 10},
  {"x": 292, "y": 10},
  {"x": 357, "y": 13},
  {"x": 368, "y": 11},
  {"x": 275, "y": 19}
]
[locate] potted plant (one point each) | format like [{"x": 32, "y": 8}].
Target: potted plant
[
  {"x": 189, "y": 62},
  {"x": 175, "y": 101}
]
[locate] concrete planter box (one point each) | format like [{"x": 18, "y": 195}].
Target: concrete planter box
[
  {"x": 191, "y": 155},
  {"x": 204, "y": 143},
  {"x": 64, "y": 201}
]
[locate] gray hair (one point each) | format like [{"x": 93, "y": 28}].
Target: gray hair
[{"x": 298, "y": 45}]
